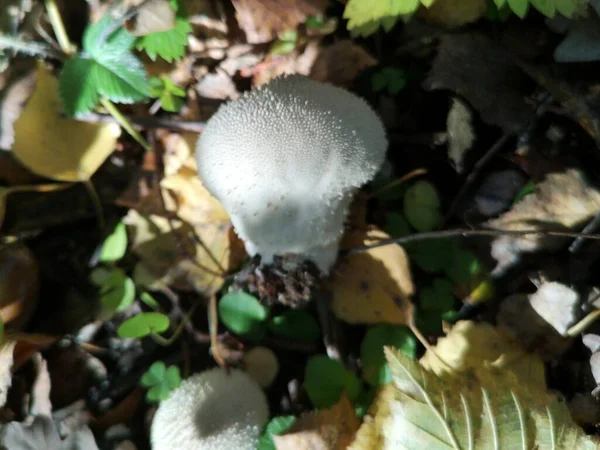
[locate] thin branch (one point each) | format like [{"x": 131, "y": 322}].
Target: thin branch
[
  {"x": 31, "y": 48},
  {"x": 468, "y": 233},
  {"x": 122, "y": 120},
  {"x": 59, "y": 27},
  {"x": 146, "y": 122}
]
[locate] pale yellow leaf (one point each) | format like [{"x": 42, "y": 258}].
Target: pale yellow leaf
[
  {"x": 371, "y": 286},
  {"x": 57, "y": 147}
]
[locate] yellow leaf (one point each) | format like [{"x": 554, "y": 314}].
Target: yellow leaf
[
  {"x": 57, "y": 147},
  {"x": 372, "y": 286},
  {"x": 327, "y": 429}
]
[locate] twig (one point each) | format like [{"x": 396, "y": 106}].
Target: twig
[
  {"x": 402, "y": 179},
  {"x": 475, "y": 173},
  {"x": 589, "y": 228},
  {"x": 31, "y": 48},
  {"x": 467, "y": 233},
  {"x": 583, "y": 324},
  {"x": 146, "y": 122},
  {"x": 59, "y": 27}
]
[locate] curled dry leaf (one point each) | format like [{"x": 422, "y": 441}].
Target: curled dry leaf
[
  {"x": 341, "y": 63},
  {"x": 471, "y": 346},
  {"x": 494, "y": 409},
  {"x": 371, "y": 286},
  {"x": 557, "y": 304},
  {"x": 327, "y": 429},
  {"x": 564, "y": 200},
  {"x": 152, "y": 16},
  {"x": 57, "y": 147},
  {"x": 263, "y": 20}
]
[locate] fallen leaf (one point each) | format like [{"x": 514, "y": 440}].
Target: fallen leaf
[
  {"x": 217, "y": 85},
  {"x": 263, "y": 20},
  {"x": 472, "y": 66},
  {"x": 557, "y": 304},
  {"x": 341, "y": 62},
  {"x": 152, "y": 17},
  {"x": 57, "y": 147},
  {"x": 494, "y": 409},
  {"x": 6, "y": 362},
  {"x": 295, "y": 62},
  {"x": 327, "y": 429},
  {"x": 459, "y": 124},
  {"x": 564, "y": 200},
  {"x": 371, "y": 286},
  {"x": 454, "y": 13},
  {"x": 472, "y": 346},
  {"x": 40, "y": 391}
]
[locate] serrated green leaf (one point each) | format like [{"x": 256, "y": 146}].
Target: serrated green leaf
[
  {"x": 567, "y": 7},
  {"x": 106, "y": 38},
  {"x": 366, "y": 16},
  {"x": 295, "y": 324},
  {"x": 121, "y": 80},
  {"x": 77, "y": 89},
  {"x": 325, "y": 391},
  {"x": 169, "y": 45},
  {"x": 277, "y": 426},
  {"x": 143, "y": 324},
  {"x": 115, "y": 245},
  {"x": 243, "y": 314},
  {"x": 519, "y": 7},
  {"x": 375, "y": 369},
  {"x": 546, "y": 7},
  {"x": 422, "y": 206}
]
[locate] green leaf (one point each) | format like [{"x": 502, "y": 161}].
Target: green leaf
[
  {"x": 149, "y": 300},
  {"x": 117, "y": 290},
  {"x": 427, "y": 3},
  {"x": 546, "y": 7},
  {"x": 115, "y": 245},
  {"x": 168, "y": 94},
  {"x": 315, "y": 22},
  {"x": 375, "y": 369},
  {"x": 161, "y": 381},
  {"x": 396, "y": 225},
  {"x": 519, "y": 7},
  {"x": 121, "y": 79},
  {"x": 168, "y": 45},
  {"x": 437, "y": 297},
  {"x": 422, "y": 206},
  {"x": 277, "y": 426},
  {"x": 295, "y": 324},
  {"x": 106, "y": 37},
  {"x": 280, "y": 47},
  {"x": 77, "y": 89},
  {"x": 243, "y": 314},
  {"x": 567, "y": 8},
  {"x": 326, "y": 379},
  {"x": 143, "y": 324},
  {"x": 432, "y": 255},
  {"x": 500, "y": 3},
  {"x": 366, "y": 16},
  {"x": 465, "y": 266}
]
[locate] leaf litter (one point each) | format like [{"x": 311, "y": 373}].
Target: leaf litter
[{"x": 450, "y": 79}]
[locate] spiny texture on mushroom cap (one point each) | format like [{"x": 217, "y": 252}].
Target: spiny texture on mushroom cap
[
  {"x": 285, "y": 160},
  {"x": 213, "y": 410}
]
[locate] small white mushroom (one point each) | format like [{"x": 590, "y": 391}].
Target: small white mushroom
[
  {"x": 285, "y": 160},
  {"x": 213, "y": 410}
]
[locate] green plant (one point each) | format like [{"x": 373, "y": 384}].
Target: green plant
[
  {"x": 391, "y": 79},
  {"x": 422, "y": 207},
  {"x": 168, "y": 94},
  {"x": 143, "y": 324},
  {"x": 294, "y": 324},
  {"x": 160, "y": 381},
  {"x": 276, "y": 426},
  {"x": 326, "y": 379},
  {"x": 117, "y": 290},
  {"x": 285, "y": 43},
  {"x": 244, "y": 315},
  {"x": 115, "y": 245}
]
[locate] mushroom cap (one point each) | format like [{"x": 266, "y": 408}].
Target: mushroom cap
[
  {"x": 285, "y": 159},
  {"x": 213, "y": 410}
]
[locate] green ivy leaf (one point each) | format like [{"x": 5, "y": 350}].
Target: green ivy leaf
[
  {"x": 168, "y": 45},
  {"x": 143, "y": 324},
  {"x": 295, "y": 324},
  {"x": 375, "y": 369},
  {"x": 326, "y": 379},
  {"x": 439, "y": 297},
  {"x": 546, "y": 7},
  {"x": 277, "y": 426},
  {"x": 115, "y": 245},
  {"x": 243, "y": 314},
  {"x": 519, "y": 7},
  {"x": 422, "y": 206},
  {"x": 161, "y": 381}
]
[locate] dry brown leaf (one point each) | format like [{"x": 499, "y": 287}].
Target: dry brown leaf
[
  {"x": 262, "y": 20},
  {"x": 372, "y": 286},
  {"x": 152, "y": 16},
  {"x": 57, "y": 147},
  {"x": 563, "y": 200},
  {"x": 292, "y": 63},
  {"x": 474, "y": 346},
  {"x": 454, "y": 13},
  {"x": 327, "y": 429},
  {"x": 6, "y": 362},
  {"x": 341, "y": 63}
]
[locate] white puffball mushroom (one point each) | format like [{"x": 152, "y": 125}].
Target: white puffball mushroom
[
  {"x": 213, "y": 410},
  {"x": 285, "y": 160}
]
